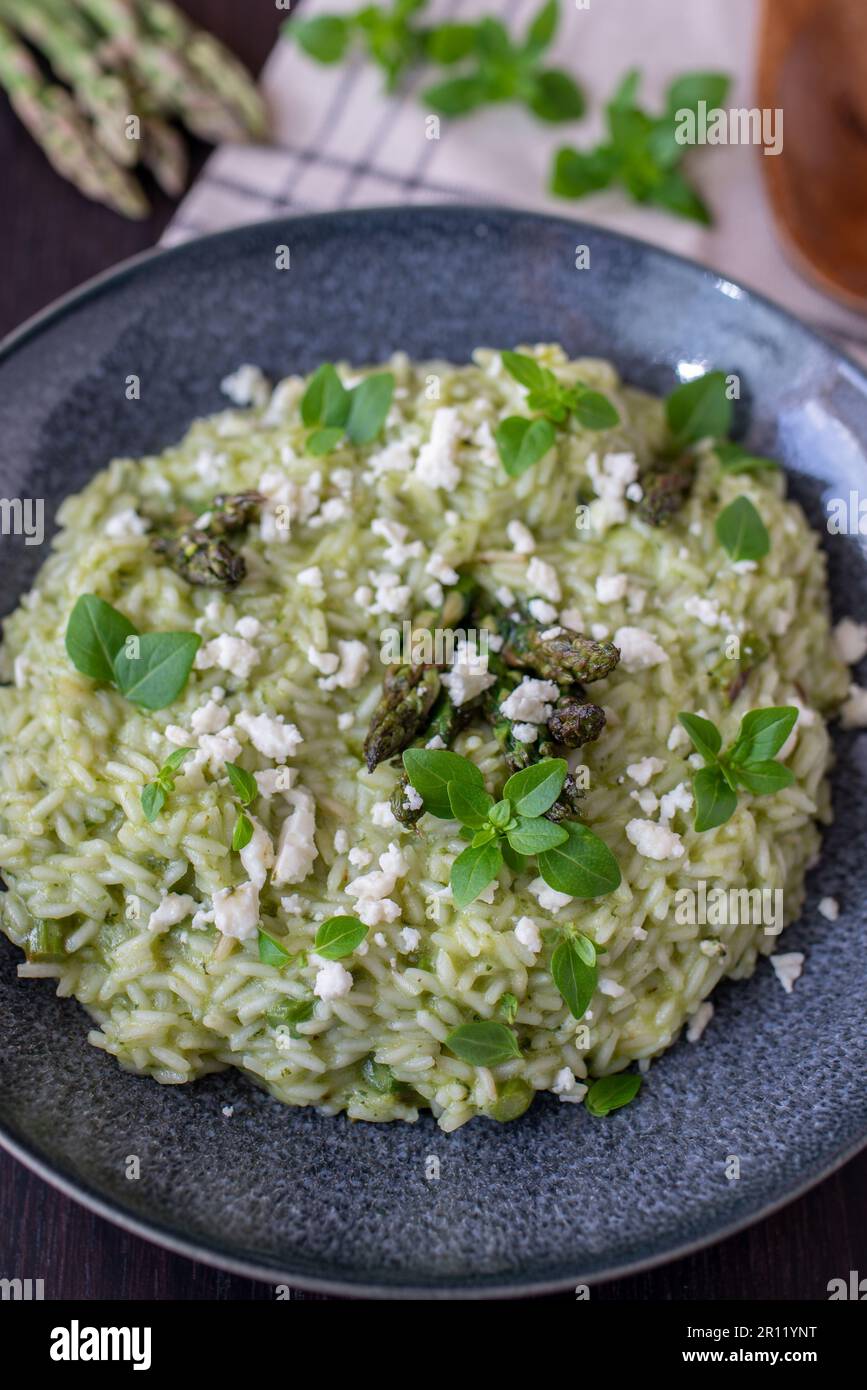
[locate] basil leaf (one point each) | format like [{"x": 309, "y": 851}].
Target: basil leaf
[
  {"x": 475, "y": 867},
  {"x": 500, "y": 814},
  {"x": 528, "y": 372},
  {"x": 153, "y": 799},
  {"x": 243, "y": 783},
  {"x": 577, "y": 173},
  {"x": 326, "y": 400},
  {"x": 534, "y": 789},
  {"x": 704, "y": 734},
  {"x": 95, "y": 634},
  {"x": 522, "y": 442},
  {"x": 174, "y": 760},
  {"x": 243, "y": 832},
  {"x": 762, "y": 734},
  {"x": 582, "y": 866},
  {"x": 574, "y": 972},
  {"x": 431, "y": 769},
  {"x": 483, "y": 836},
  {"x": 322, "y": 442},
  {"x": 594, "y": 411},
  {"x": 159, "y": 673},
  {"x": 611, "y": 1092},
  {"x": 765, "y": 778},
  {"x": 676, "y": 195},
  {"x": 379, "y": 1077},
  {"x": 339, "y": 937},
  {"x": 687, "y": 91},
  {"x": 270, "y": 951},
  {"x": 715, "y": 802},
  {"x": 370, "y": 404},
  {"x": 456, "y": 97},
  {"x": 535, "y": 835},
  {"x": 448, "y": 43},
  {"x": 516, "y": 862},
  {"x": 289, "y": 1011},
  {"x": 741, "y": 531},
  {"x": 734, "y": 458},
  {"x": 543, "y": 27},
  {"x": 699, "y": 409},
  {"x": 483, "y": 1044},
  {"x": 470, "y": 805},
  {"x": 325, "y": 37},
  {"x": 556, "y": 96}
]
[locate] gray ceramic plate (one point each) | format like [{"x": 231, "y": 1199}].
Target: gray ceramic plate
[{"x": 558, "y": 1197}]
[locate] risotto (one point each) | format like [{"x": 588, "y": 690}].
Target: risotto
[{"x": 234, "y": 802}]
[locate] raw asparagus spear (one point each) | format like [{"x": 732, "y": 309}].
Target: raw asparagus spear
[
  {"x": 209, "y": 59},
  {"x": 52, "y": 118},
  {"x": 68, "y": 43},
  {"x": 163, "y": 72}
]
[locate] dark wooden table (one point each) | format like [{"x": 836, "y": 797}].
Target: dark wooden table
[{"x": 51, "y": 239}]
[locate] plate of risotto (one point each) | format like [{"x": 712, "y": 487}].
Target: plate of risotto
[{"x": 432, "y": 753}]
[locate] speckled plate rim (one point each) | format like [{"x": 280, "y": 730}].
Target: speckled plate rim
[{"x": 164, "y": 1236}]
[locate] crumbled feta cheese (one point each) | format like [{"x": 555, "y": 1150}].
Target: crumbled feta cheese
[
  {"x": 469, "y": 674},
  {"x": 572, "y": 619},
  {"x": 788, "y": 968},
  {"x": 209, "y": 718},
  {"x": 273, "y": 780},
  {"x": 568, "y": 1087},
  {"x": 830, "y": 909},
  {"x": 678, "y": 799},
  {"x": 528, "y": 935},
  {"x": 394, "y": 533},
  {"x": 248, "y": 628},
  {"x": 599, "y": 632},
  {"x": 359, "y": 858},
  {"x": 704, "y": 609},
  {"x": 381, "y": 815},
  {"x": 310, "y": 578},
  {"x": 642, "y": 771},
  {"x": 233, "y": 654},
  {"x": 391, "y": 596},
  {"x": 610, "y": 480},
  {"x": 436, "y": 464},
  {"x": 412, "y": 799},
  {"x": 521, "y": 538},
  {"x": 380, "y": 940},
  {"x": 174, "y": 908},
  {"x": 217, "y": 749},
  {"x": 333, "y": 980},
  {"x": 504, "y": 596},
  {"x": 436, "y": 742},
  {"x": 353, "y": 664},
  {"x": 293, "y": 905},
  {"x": 634, "y": 492},
  {"x": 296, "y": 847},
  {"x": 125, "y": 525},
  {"x": 850, "y": 640},
  {"x": 853, "y": 714},
  {"x": 678, "y": 738},
  {"x": 439, "y": 569},
  {"x": 247, "y": 385},
  {"x": 257, "y": 856},
  {"x": 525, "y": 733},
  {"x": 531, "y": 702},
  {"x": 484, "y": 440},
  {"x": 371, "y": 891},
  {"x": 699, "y": 1021},
  {"x": 176, "y": 734},
  {"x": 542, "y": 611},
  {"x": 326, "y": 662},
  {"x": 654, "y": 841},
  {"x": 638, "y": 649},
  {"x": 542, "y": 579},
  {"x": 548, "y": 898},
  {"x": 409, "y": 939},
  {"x": 269, "y": 734},
  {"x": 236, "y": 911},
  {"x": 611, "y": 588},
  {"x": 647, "y": 800}
]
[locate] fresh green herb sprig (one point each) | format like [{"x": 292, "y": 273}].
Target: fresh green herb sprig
[
  {"x": 483, "y": 1044},
  {"x": 500, "y": 69},
  {"x": 339, "y": 937},
  {"x": 494, "y": 68},
  {"x": 570, "y": 858},
  {"x": 642, "y": 153},
  {"x": 246, "y": 790},
  {"x": 334, "y": 412},
  {"x": 741, "y": 531},
  {"x": 521, "y": 442},
  {"x": 749, "y": 762},
  {"x": 156, "y": 793},
  {"x": 612, "y": 1093},
  {"x": 150, "y": 669}
]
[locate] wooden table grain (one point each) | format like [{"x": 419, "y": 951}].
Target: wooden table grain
[{"x": 51, "y": 239}]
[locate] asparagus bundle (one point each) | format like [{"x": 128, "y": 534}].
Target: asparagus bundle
[{"x": 131, "y": 67}]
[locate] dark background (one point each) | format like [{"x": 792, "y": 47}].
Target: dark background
[{"x": 51, "y": 239}]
